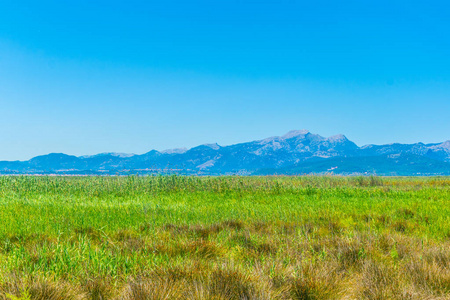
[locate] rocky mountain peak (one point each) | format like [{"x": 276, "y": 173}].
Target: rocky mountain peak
[
  {"x": 175, "y": 151},
  {"x": 295, "y": 133},
  {"x": 214, "y": 146},
  {"x": 338, "y": 138}
]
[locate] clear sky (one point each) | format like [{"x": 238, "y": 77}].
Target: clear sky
[{"x": 84, "y": 77}]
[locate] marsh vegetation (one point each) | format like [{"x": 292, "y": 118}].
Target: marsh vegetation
[{"x": 172, "y": 237}]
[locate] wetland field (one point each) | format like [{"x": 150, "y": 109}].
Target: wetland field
[{"x": 229, "y": 237}]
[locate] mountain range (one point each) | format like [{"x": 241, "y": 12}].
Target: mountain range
[{"x": 297, "y": 152}]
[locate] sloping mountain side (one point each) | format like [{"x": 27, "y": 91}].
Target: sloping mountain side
[
  {"x": 297, "y": 151},
  {"x": 387, "y": 165}
]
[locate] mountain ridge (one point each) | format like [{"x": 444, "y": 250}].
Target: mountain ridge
[{"x": 296, "y": 152}]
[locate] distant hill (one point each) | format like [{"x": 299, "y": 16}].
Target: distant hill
[{"x": 297, "y": 152}]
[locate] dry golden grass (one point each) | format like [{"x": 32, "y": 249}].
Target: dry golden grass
[{"x": 389, "y": 266}]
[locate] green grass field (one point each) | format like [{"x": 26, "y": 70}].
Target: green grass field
[{"x": 224, "y": 238}]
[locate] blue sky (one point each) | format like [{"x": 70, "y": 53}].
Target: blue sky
[{"x": 84, "y": 77}]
